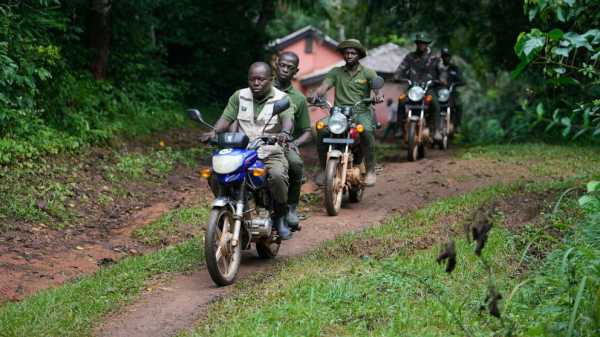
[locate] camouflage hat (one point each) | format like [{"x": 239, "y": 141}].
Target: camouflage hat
[
  {"x": 352, "y": 43},
  {"x": 422, "y": 37}
]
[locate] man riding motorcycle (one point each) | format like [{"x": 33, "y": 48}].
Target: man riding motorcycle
[
  {"x": 287, "y": 67},
  {"x": 449, "y": 75},
  {"x": 420, "y": 66},
  {"x": 352, "y": 83},
  {"x": 251, "y": 108}
]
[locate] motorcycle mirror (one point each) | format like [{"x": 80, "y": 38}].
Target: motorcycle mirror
[
  {"x": 377, "y": 83},
  {"x": 196, "y": 115},
  {"x": 281, "y": 105}
]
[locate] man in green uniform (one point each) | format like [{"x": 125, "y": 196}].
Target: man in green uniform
[
  {"x": 420, "y": 66},
  {"x": 252, "y": 108},
  {"x": 352, "y": 83},
  {"x": 287, "y": 67}
]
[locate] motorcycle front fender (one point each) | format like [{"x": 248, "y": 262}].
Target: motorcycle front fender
[
  {"x": 334, "y": 154},
  {"x": 222, "y": 202}
]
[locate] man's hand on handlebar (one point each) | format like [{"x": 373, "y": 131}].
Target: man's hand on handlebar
[
  {"x": 207, "y": 136},
  {"x": 378, "y": 99},
  {"x": 314, "y": 99},
  {"x": 284, "y": 137}
]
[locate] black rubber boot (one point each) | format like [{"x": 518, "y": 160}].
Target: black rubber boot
[
  {"x": 282, "y": 228},
  {"x": 279, "y": 215},
  {"x": 292, "y": 218}
]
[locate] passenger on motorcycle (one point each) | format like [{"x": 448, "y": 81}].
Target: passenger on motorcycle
[
  {"x": 352, "y": 83},
  {"x": 449, "y": 74},
  {"x": 420, "y": 66},
  {"x": 286, "y": 68},
  {"x": 251, "y": 108}
]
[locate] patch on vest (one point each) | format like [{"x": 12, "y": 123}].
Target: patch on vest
[{"x": 361, "y": 81}]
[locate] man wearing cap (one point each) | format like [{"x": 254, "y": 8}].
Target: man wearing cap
[
  {"x": 421, "y": 66},
  {"x": 286, "y": 68},
  {"x": 449, "y": 74},
  {"x": 352, "y": 83}
]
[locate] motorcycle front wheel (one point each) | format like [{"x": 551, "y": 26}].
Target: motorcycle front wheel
[
  {"x": 222, "y": 261},
  {"x": 448, "y": 124},
  {"x": 444, "y": 142},
  {"x": 413, "y": 147},
  {"x": 333, "y": 187}
]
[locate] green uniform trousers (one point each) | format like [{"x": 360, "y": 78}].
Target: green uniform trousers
[
  {"x": 295, "y": 172},
  {"x": 277, "y": 181},
  {"x": 367, "y": 140}
]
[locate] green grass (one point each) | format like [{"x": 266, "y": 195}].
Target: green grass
[
  {"x": 37, "y": 192},
  {"x": 178, "y": 222},
  {"x": 382, "y": 282},
  {"x": 73, "y": 309},
  {"x": 542, "y": 160},
  {"x": 156, "y": 164},
  {"x": 56, "y": 191}
]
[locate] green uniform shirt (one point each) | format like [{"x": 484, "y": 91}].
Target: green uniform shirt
[
  {"x": 301, "y": 116},
  {"x": 233, "y": 107},
  {"x": 351, "y": 88}
]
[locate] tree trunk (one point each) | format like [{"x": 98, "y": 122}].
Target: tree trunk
[
  {"x": 266, "y": 14},
  {"x": 99, "y": 35}
]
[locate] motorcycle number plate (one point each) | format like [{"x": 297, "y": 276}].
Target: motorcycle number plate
[{"x": 338, "y": 141}]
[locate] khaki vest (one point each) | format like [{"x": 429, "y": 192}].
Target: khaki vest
[{"x": 253, "y": 127}]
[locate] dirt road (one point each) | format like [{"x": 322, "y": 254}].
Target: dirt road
[{"x": 401, "y": 186}]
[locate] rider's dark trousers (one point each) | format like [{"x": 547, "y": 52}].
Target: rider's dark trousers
[{"x": 295, "y": 172}]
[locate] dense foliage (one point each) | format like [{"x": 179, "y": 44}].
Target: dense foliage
[
  {"x": 75, "y": 72},
  {"x": 562, "y": 53}
]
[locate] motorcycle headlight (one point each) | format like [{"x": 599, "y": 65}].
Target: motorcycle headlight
[
  {"x": 225, "y": 164},
  {"x": 443, "y": 95},
  {"x": 338, "y": 123},
  {"x": 416, "y": 94}
]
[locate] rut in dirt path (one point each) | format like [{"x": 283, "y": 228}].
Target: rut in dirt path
[{"x": 177, "y": 304}]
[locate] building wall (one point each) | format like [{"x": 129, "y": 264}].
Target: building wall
[{"x": 321, "y": 57}]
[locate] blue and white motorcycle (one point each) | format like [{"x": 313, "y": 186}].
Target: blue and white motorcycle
[{"x": 241, "y": 213}]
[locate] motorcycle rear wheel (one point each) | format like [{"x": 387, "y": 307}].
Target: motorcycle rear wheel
[
  {"x": 223, "y": 263},
  {"x": 355, "y": 194},
  {"x": 413, "y": 147},
  {"x": 421, "y": 150},
  {"x": 267, "y": 249},
  {"x": 333, "y": 189}
]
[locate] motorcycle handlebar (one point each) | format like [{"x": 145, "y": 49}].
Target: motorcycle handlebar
[{"x": 319, "y": 102}]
